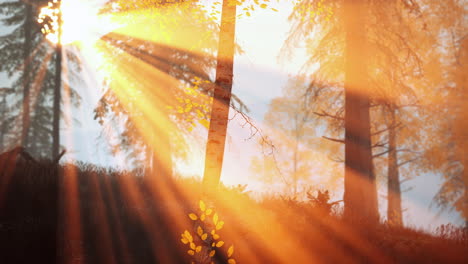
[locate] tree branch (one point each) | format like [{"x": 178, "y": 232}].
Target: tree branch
[
  {"x": 380, "y": 154},
  {"x": 334, "y": 139},
  {"x": 325, "y": 114}
]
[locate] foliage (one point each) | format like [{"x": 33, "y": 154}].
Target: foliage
[{"x": 207, "y": 224}]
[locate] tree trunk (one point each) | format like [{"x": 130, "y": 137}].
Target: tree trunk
[
  {"x": 57, "y": 93},
  {"x": 26, "y": 76},
  {"x": 3, "y": 126},
  {"x": 221, "y": 98},
  {"x": 394, "y": 213},
  {"x": 360, "y": 194}
]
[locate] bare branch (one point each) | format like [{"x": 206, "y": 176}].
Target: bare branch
[
  {"x": 407, "y": 189},
  {"x": 380, "y": 154},
  {"x": 57, "y": 159},
  {"x": 334, "y": 139},
  {"x": 407, "y": 161},
  {"x": 325, "y": 114}
]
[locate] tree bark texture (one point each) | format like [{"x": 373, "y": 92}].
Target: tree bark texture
[
  {"x": 221, "y": 97},
  {"x": 27, "y": 76},
  {"x": 57, "y": 93},
  {"x": 360, "y": 195},
  {"x": 394, "y": 212}
]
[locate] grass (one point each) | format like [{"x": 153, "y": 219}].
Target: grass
[{"x": 125, "y": 218}]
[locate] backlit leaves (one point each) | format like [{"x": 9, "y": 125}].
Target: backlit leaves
[{"x": 206, "y": 240}]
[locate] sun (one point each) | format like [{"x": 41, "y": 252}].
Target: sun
[{"x": 80, "y": 21}]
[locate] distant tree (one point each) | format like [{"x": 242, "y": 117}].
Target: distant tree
[
  {"x": 26, "y": 58},
  {"x": 299, "y": 156},
  {"x": 398, "y": 42},
  {"x": 447, "y": 153}
]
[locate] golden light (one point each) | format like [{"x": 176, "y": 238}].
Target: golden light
[{"x": 80, "y": 21}]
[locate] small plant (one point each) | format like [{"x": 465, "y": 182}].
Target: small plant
[
  {"x": 205, "y": 241},
  {"x": 322, "y": 200},
  {"x": 450, "y": 231}
]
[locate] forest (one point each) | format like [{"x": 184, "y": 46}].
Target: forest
[{"x": 233, "y": 131}]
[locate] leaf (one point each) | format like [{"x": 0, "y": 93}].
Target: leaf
[
  {"x": 212, "y": 253},
  {"x": 202, "y": 217},
  {"x": 198, "y": 249},
  {"x": 219, "y": 225},
  {"x": 209, "y": 211},
  {"x": 193, "y": 216},
  {"x": 215, "y": 236},
  {"x": 184, "y": 240},
  {"x": 220, "y": 244},
  {"x": 215, "y": 218},
  {"x": 191, "y": 252},
  {"x": 188, "y": 236},
  {"x": 230, "y": 251},
  {"x": 204, "y": 123},
  {"x": 199, "y": 231},
  {"x": 202, "y": 206},
  {"x": 204, "y": 236},
  {"x": 231, "y": 261}
]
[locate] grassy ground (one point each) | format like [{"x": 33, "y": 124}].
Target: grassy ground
[{"x": 94, "y": 215}]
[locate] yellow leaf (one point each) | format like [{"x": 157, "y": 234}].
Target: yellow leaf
[
  {"x": 184, "y": 240},
  {"x": 231, "y": 261},
  {"x": 219, "y": 225},
  {"x": 202, "y": 217},
  {"x": 204, "y": 123},
  {"x": 198, "y": 249},
  {"x": 215, "y": 236},
  {"x": 220, "y": 244},
  {"x": 204, "y": 236},
  {"x": 215, "y": 218},
  {"x": 209, "y": 211},
  {"x": 191, "y": 252},
  {"x": 192, "y": 245},
  {"x": 188, "y": 236},
  {"x": 199, "y": 231},
  {"x": 230, "y": 251},
  {"x": 202, "y": 206},
  {"x": 212, "y": 253},
  {"x": 193, "y": 216}
]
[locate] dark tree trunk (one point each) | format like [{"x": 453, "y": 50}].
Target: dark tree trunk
[
  {"x": 57, "y": 95},
  {"x": 360, "y": 195},
  {"x": 27, "y": 76},
  {"x": 394, "y": 213},
  {"x": 222, "y": 97}
]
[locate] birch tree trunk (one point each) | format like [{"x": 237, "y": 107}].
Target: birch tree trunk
[{"x": 221, "y": 98}]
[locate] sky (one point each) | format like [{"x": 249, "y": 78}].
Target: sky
[{"x": 258, "y": 78}]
